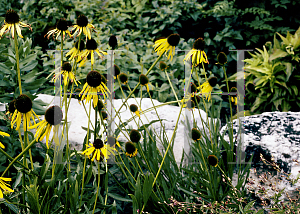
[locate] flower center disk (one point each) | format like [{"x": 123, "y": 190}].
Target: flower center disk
[
  {"x": 98, "y": 144},
  {"x": 82, "y": 21},
  {"x": 93, "y": 79},
  {"x": 91, "y": 44},
  {"x": 11, "y": 17},
  {"x": 23, "y": 103},
  {"x": 173, "y": 39},
  {"x": 54, "y": 115}
]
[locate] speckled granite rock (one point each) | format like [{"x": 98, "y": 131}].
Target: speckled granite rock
[{"x": 277, "y": 136}]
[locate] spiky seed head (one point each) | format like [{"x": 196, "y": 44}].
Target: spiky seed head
[
  {"x": 143, "y": 80},
  {"x": 222, "y": 58},
  {"x": 23, "y": 103},
  {"x": 135, "y": 136},
  {"x": 54, "y": 115},
  {"x": 11, "y": 17},
  {"x": 162, "y": 65},
  {"x": 113, "y": 42},
  {"x": 62, "y": 24},
  {"x": 173, "y": 39},
  {"x": 66, "y": 67},
  {"x": 98, "y": 143},
  {"x": 91, "y": 44},
  {"x": 133, "y": 108},
  {"x": 212, "y": 160},
  {"x": 82, "y": 21},
  {"x": 93, "y": 78},
  {"x": 195, "y": 134},
  {"x": 199, "y": 44},
  {"x": 213, "y": 81},
  {"x": 123, "y": 78},
  {"x": 130, "y": 147}
]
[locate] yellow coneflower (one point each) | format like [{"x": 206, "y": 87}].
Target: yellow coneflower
[
  {"x": 92, "y": 86},
  {"x": 3, "y": 134},
  {"x": 167, "y": 44},
  {"x": 23, "y": 109},
  {"x": 4, "y": 186},
  {"x": 91, "y": 47},
  {"x": 99, "y": 147},
  {"x": 197, "y": 53},
  {"x": 133, "y": 108},
  {"x": 66, "y": 71},
  {"x": 12, "y": 21},
  {"x": 207, "y": 87},
  {"x": 61, "y": 27},
  {"x": 130, "y": 149},
  {"x": 83, "y": 25},
  {"x": 53, "y": 117},
  {"x": 74, "y": 52}
]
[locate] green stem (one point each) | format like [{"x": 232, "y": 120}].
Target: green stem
[
  {"x": 152, "y": 66},
  {"x": 87, "y": 140},
  {"x": 97, "y": 188},
  {"x": 172, "y": 88},
  {"x": 83, "y": 174},
  {"x": 228, "y": 98},
  {"x": 17, "y": 58}
]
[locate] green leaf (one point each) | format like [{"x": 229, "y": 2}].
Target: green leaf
[
  {"x": 278, "y": 53},
  {"x": 285, "y": 41},
  {"x": 145, "y": 126},
  {"x": 164, "y": 87},
  {"x": 28, "y": 59},
  {"x": 295, "y": 89},
  {"x": 114, "y": 208},
  {"x": 134, "y": 204},
  {"x": 288, "y": 70},
  {"x": 29, "y": 66},
  {"x": 218, "y": 38},
  {"x": 118, "y": 197},
  {"x": 147, "y": 187},
  {"x": 5, "y": 70}
]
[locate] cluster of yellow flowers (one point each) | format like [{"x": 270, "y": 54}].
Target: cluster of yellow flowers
[{"x": 22, "y": 106}]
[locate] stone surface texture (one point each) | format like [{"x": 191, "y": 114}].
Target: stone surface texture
[
  {"x": 276, "y": 135},
  {"x": 168, "y": 114}
]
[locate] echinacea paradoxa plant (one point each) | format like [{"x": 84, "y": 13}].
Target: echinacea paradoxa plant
[{"x": 142, "y": 178}]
